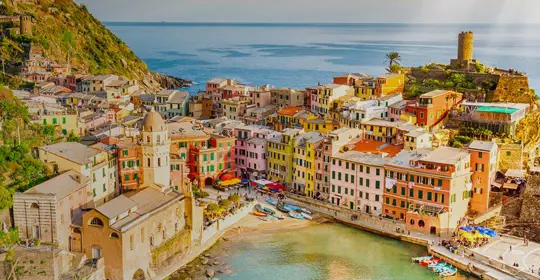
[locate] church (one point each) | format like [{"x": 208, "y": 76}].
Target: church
[{"x": 141, "y": 228}]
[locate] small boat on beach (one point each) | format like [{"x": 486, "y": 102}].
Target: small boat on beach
[
  {"x": 281, "y": 207},
  {"x": 450, "y": 272},
  {"x": 268, "y": 210},
  {"x": 260, "y": 214},
  {"x": 306, "y": 216},
  {"x": 271, "y": 201},
  {"x": 296, "y": 215},
  {"x": 259, "y": 208},
  {"x": 419, "y": 259},
  {"x": 278, "y": 216},
  {"x": 429, "y": 261},
  {"x": 435, "y": 265}
]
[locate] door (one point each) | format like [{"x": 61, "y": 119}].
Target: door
[
  {"x": 338, "y": 201},
  {"x": 351, "y": 205},
  {"x": 433, "y": 230},
  {"x": 35, "y": 232},
  {"x": 368, "y": 209},
  {"x": 96, "y": 253}
]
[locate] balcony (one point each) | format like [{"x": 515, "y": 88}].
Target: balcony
[{"x": 423, "y": 209}]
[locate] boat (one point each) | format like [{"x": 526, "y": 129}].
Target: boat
[
  {"x": 293, "y": 208},
  {"x": 450, "y": 272},
  {"x": 271, "y": 201},
  {"x": 419, "y": 259},
  {"x": 268, "y": 210},
  {"x": 442, "y": 269},
  {"x": 259, "y": 208},
  {"x": 429, "y": 261},
  {"x": 281, "y": 207},
  {"x": 278, "y": 216},
  {"x": 306, "y": 216},
  {"x": 296, "y": 215},
  {"x": 260, "y": 214},
  {"x": 435, "y": 265},
  {"x": 306, "y": 211}
]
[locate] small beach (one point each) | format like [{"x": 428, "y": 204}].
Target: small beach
[{"x": 302, "y": 249}]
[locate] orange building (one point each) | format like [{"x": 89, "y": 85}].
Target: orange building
[
  {"x": 352, "y": 79},
  {"x": 389, "y": 84},
  {"x": 484, "y": 158},
  {"x": 129, "y": 170},
  {"x": 433, "y": 106},
  {"x": 428, "y": 189}
]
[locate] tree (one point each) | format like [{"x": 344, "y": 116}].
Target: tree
[
  {"x": 225, "y": 204},
  {"x": 73, "y": 138},
  {"x": 394, "y": 68},
  {"x": 212, "y": 210},
  {"x": 234, "y": 198},
  {"x": 393, "y": 57},
  {"x": 6, "y": 200}
]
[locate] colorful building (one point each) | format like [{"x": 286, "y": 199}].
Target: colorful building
[
  {"x": 288, "y": 118},
  {"x": 500, "y": 118},
  {"x": 321, "y": 103},
  {"x": 428, "y": 189},
  {"x": 250, "y": 150},
  {"x": 304, "y": 162},
  {"x": 390, "y": 83},
  {"x": 216, "y": 83},
  {"x": 235, "y": 108},
  {"x": 322, "y": 125},
  {"x": 433, "y": 107},
  {"x": 280, "y": 153},
  {"x": 129, "y": 165},
  {"x": 484, "y": 161},
  {"x": 287, "y": 97},
  {"x": 352, "y": 79},
  {"x": 357, "y": 181}
]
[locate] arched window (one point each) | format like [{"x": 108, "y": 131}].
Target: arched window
[
  {"x": 421, "y": 223},
  {"x": 151, "y": 240},
  {"x": 148, "y": 139},
  {"x": 148, "y": 162},
  {"x": 412, "y": 222},
  {"x": 34, "y": 206},
  {"x": 96, "y": 222},
  {"x": 114, "y": 235},
  {"x": 159, "y": 162}
]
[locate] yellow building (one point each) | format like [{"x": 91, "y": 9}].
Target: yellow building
[
  {"x": 387, "y": 131},
  {"x": 64, "y": 124},
  {"x": 279, "y": 155},
  {"x": 390, "y": 83},
  {"x": 322, "y": 125},
  {"x": 290, "y": 117},
  {"x": 304, "y": 161},
  {"x": 235, "y": 108},
  {"x": 88, "y": 162},
  {"x": 365, "y": 92},
  {"x": 321, "y": 101}
]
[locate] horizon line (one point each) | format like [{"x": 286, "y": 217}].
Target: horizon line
[{"x": 319, "y": 23}]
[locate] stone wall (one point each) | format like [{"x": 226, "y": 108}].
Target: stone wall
[
  {"x": 38, "y": 263},
  {"x": 512, "y": 89}
]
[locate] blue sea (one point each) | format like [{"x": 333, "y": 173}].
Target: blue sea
[{"x": 300, "y": 55}]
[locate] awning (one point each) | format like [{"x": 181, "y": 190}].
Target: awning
[
  {"x": 515, "y": 173},
  {"x": 510, "y": 186},
  {"x": 263, "y": 182},
  {"x": 229, "y": 182},
  {"x": 535, "y": 169}
]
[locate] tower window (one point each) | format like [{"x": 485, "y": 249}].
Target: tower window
[
  {"x": 148, "y": 162},
  {"x": 148, "y": 138},
  {"x": 159, "y": 162}
]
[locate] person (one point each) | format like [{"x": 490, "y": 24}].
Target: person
[
  {"x": 510, "y": 248},
  {"x": 501, "y": 257}
]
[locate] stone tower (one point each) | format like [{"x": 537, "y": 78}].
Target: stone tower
[
  {"x": 26, "y": 25},
  {"x": 155, "y": 145},
  {"x": 465, "y": 46}
]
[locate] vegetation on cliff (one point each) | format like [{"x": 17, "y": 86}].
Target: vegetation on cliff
[
  {"x": 18, "y": 138},
  {"x": 69, "y": 34}
]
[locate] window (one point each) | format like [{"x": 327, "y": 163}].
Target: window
[
  {"x": 387, "y": 200},
  {"x": 148, "y": 162},
  {"x": 429, "y": 196},
  {"x": 96, "y": 222},
  {"x": 402, "y": 191},
  {"x": 439, "y": 183},
  {"x": 367, "y": 169},
  {"x": 402, "y": 204},
  {"x": 333, "y": 188},
  {"x": 453, "y": 198},
  {"x": 94, "y": 192},
  {"x": 114, "y": 235},
  {"x": 63, "y": 120},
  {"x": 411, "y": 193},
  {"x": 126, "y": 177},
  {"x": 352, "y": 178},
  {"x": 420, "y": 194},
  {"x": 508, "y": 153},
  {"x": 104, "y": 188},
  {"x": 377, "y": 184},
  {"x": 367, "y": 183},
  {"x": 377, "y": 171},
  {"x": 377, "y": 197},
  {"x": 339, "y": 189},
  {"x": 479, "y": 154},
  {"x": 54, "y": 121}
]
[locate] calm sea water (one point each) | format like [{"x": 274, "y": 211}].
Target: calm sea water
[
  {"x": 300, "y": 55},
  {"x": 327, "y": 251}
]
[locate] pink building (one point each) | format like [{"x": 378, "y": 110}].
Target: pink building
[
  {"x": 260, "y": 98},
  {"x": 250, "y": 150},
  {"x": 357, "y": 181}
]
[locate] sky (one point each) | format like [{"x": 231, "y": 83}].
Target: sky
[{"x": 338, "y": 11}]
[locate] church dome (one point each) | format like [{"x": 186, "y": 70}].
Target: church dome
[{"x": 153, "y": 121}]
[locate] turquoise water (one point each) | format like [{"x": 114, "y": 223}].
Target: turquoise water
[
  {"x": 327, "y": 251},
  {"x": 300, "y": 55}
]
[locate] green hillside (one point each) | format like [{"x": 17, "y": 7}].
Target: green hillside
[{"x": 67, "y": 32}]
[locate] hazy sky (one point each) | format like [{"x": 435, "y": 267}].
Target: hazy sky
[{"x": 416, "y": 11}]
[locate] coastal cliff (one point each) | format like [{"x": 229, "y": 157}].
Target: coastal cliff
[{"x": 68, "y": 34}]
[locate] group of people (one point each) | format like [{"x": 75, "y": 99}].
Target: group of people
[{"x": 478, "y": 242}]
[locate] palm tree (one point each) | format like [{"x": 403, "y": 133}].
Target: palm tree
[{"x": 393, "y": 57}]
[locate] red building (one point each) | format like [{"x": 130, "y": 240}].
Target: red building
[{"x": 433, "y": 106}]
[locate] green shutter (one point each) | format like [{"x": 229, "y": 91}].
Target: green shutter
[{"x": 429, "y": 196}]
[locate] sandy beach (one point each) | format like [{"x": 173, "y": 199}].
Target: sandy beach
[{"x": 211, "y": 262}]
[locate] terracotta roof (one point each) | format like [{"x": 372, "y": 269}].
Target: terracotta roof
[
  {"x": 376, "y": 147},
  {"x": 289, "y": 111}
]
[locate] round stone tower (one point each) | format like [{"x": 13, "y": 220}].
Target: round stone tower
[
  {"x": 465, "y": 46},
  {"x": 26, "y": 25}
]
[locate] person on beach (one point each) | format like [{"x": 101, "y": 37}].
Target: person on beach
[{"x": 510, "y": 248}]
